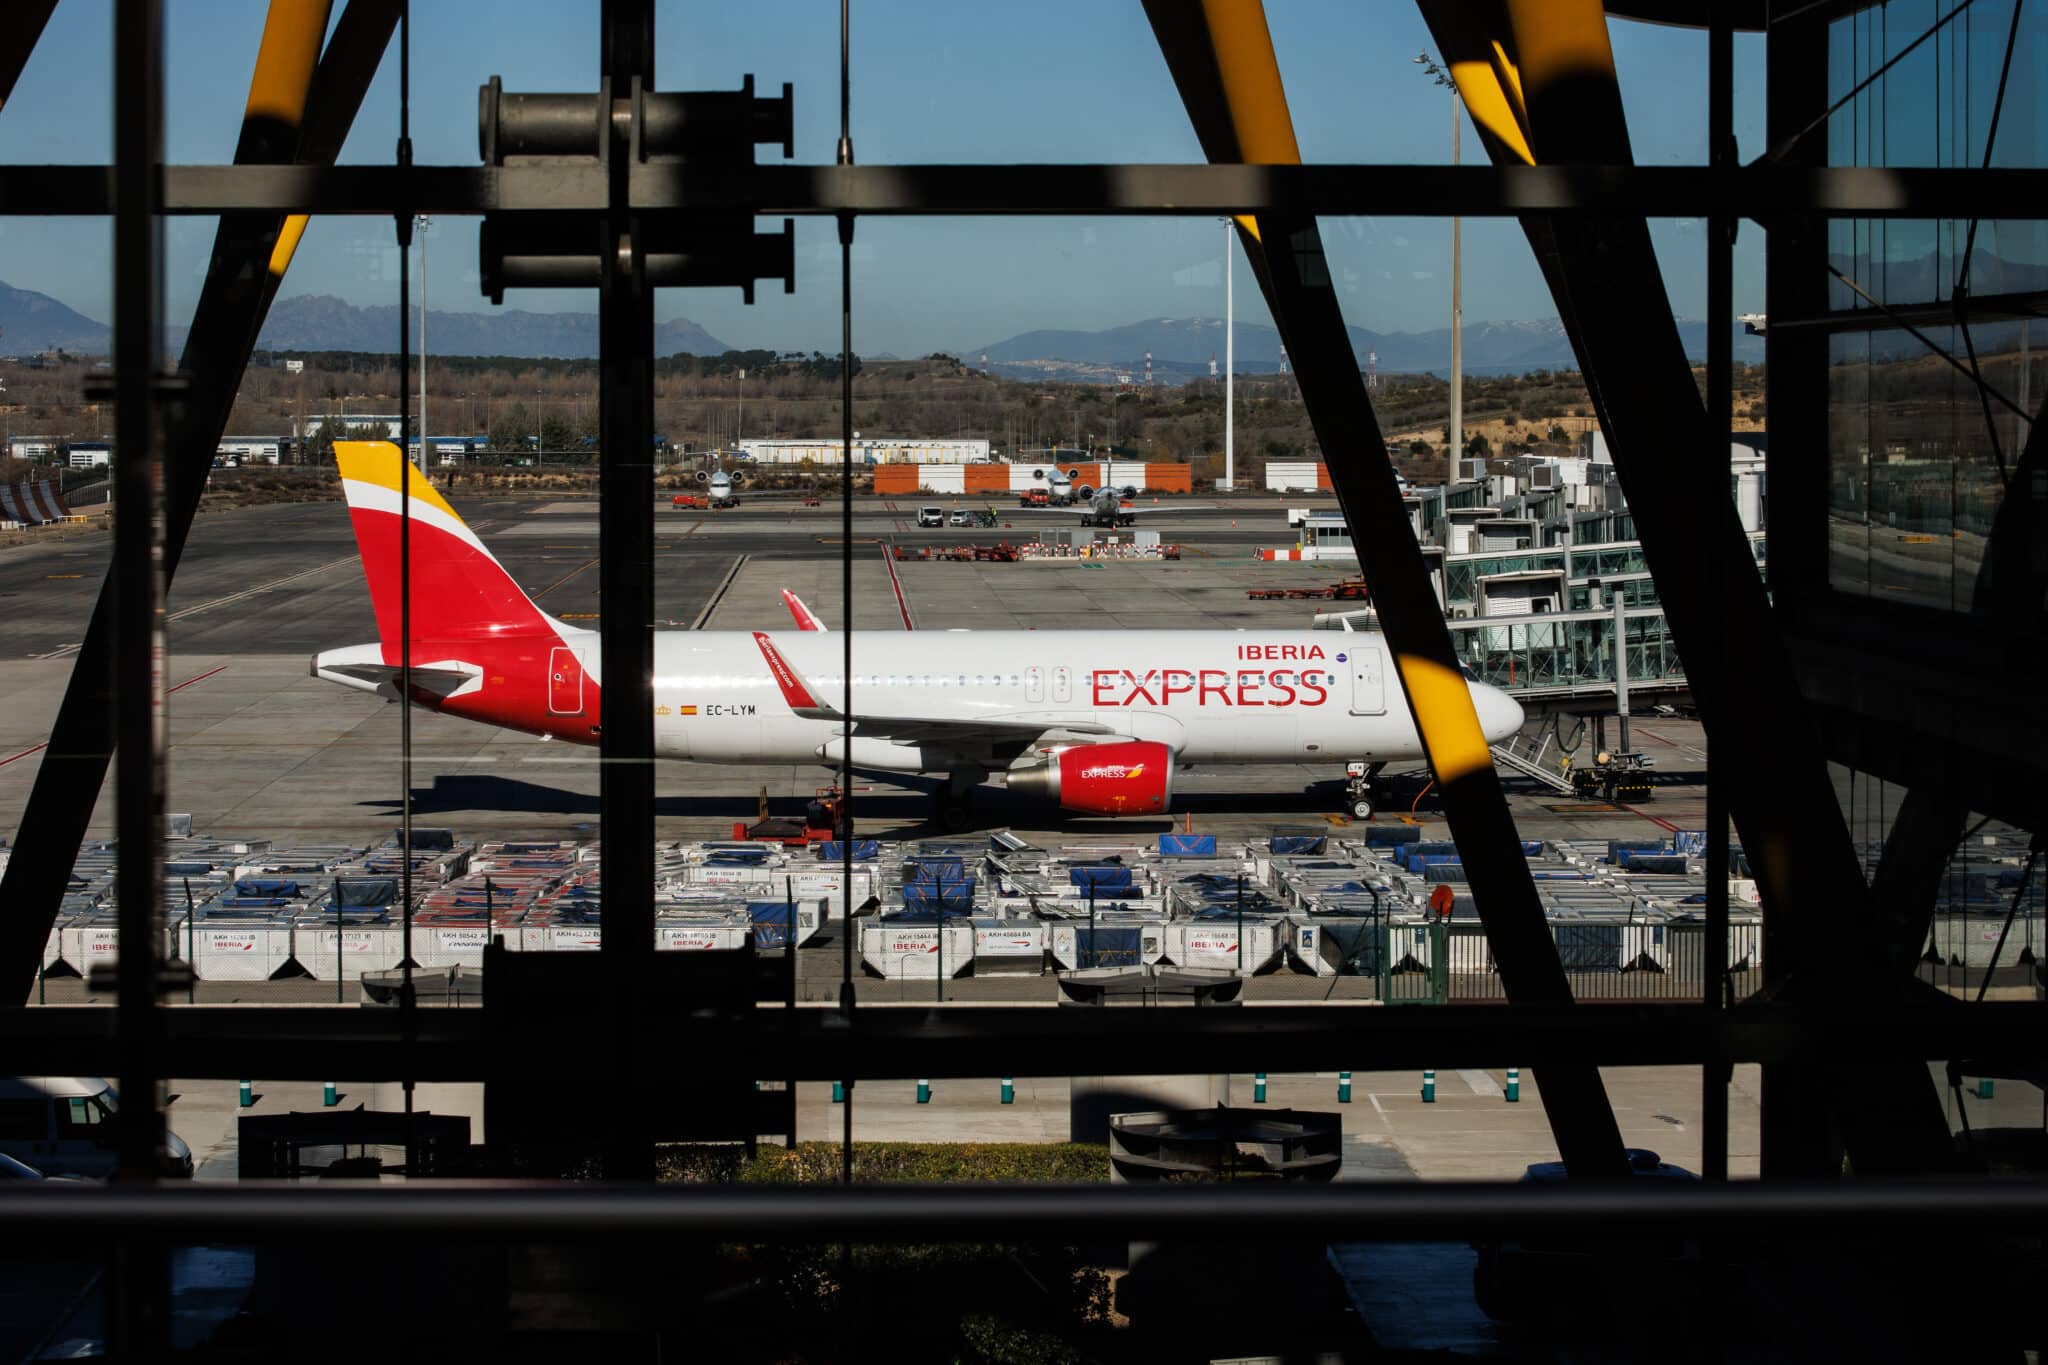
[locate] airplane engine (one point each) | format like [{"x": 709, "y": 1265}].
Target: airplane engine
[
  {"x": 1083, "y": 491},
  {"x": 703, "y": 477},
  {"x": 1130, "y": 777},
  {"x": 741, "y": 478},
  {"x": 1073, "y": 473},
  {"x": 1129, "y": 490}
]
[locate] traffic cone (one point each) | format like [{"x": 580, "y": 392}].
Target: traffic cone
[{"x": 1429, "y": 1087}]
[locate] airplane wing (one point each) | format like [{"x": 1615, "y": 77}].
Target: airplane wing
[
  {"x": 807, "y": 702},
  {"x": 1167, "y": 507},
  {"x": 806, "y": 619}
]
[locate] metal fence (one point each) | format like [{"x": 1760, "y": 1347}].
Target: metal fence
[{"x": 1438, "y": 963}]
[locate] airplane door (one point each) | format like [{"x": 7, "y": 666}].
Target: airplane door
[
  {"x": 565, "y": 682},
  {"x": 1368, "y": 682},
  {"x": 1034, "y": 684},
  {"x": 1063, "y": 684}
]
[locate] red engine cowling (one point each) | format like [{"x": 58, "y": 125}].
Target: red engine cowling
[{"x": 1132, "y": 777}]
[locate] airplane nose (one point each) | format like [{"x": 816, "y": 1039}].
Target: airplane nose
[{"x": 1500, "y": 715}]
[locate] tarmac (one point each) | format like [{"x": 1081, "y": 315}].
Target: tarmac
[{"x": 259, "y": 748}]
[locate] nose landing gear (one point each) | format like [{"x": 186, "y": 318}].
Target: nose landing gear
[{"x": 1359, "y": 792}]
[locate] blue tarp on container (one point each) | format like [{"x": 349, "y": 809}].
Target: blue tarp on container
[
  {"x": 1616, "y": 847},
  {"x": 1532, "y": 848},
  {"x": 864, "y": 850},
  {"x": 1692, "y": 841},
  {"x": 1187, "y": 845},
  {"x": 772, "y": 920},
  {"x": 1295, "y": 843},
  {"x": 1382, "y": 835},
  {"x": 1589, "y": 947},
  {"x": 1109, "y": 945},
  {"x": 737, "y": 857},
  {"x": 1562, "y": 876},
  {"x": 353, "y": 893},
  {"x": 187, "y": 869},
  {"x": 1357, "y": 937},
  {"x": 1665, "y": 864},
  {"x": 1433, "y": 846},
  {"x": 253, "y": 902},
  {"x": 1444, "y": 872},
  {"x": 933, "y": 867},
  {"x": 952, "y": 895},
  {"x": 267, "y": 886},
  {"x": 1104, "y": 880}
]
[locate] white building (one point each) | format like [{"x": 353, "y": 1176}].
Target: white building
[
  {"x": 90, "y": 454},
  {"x": 357, "y": 423},
  {"x": 249, "y": 449},
  {"x": 41, "y": 449},
  {"x": 867, "y": 450}
]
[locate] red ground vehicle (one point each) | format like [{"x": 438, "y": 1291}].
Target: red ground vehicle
[
  {"x": 1035, "y": 497},
  {"x": 686, "y": 500}
]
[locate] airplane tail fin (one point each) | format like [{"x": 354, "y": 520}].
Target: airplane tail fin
[
  {"x": 459, "y": 589},
  {"x": 806, "y": 619}
]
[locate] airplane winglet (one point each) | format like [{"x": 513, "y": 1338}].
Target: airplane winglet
[
  {"x": 806, "y": 619},
  {"x": 798, "y": 693}
]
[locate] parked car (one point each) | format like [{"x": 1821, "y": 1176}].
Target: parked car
[
  {"x": 64, "y": 1125},
  {"x": 931, "y": 516}
]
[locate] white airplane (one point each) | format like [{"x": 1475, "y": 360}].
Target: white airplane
[
  {"x": 1098, "y": 721},
  {"x": 1107, "y": 507},
  {"x": 722, "y": 487}
]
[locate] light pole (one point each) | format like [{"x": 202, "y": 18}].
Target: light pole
[
  {"x": 1229, "y": 355},
  {"x": 424, "y": 223},
  {"x": 1443, "y": 78}
]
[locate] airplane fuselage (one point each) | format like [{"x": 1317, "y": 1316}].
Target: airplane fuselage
[{"x": 1211, "y": 696}]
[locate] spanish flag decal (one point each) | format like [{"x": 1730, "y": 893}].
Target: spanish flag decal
[{"x": 686, "y": 710}]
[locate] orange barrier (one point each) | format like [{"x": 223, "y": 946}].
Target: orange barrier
[
  {"x": 896, "y": 479},
  {"x": 987, "y": 478}
]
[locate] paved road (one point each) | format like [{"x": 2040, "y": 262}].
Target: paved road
[{"x": 285, "y": 579}]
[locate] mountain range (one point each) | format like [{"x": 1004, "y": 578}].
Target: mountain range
[
  {"x": 31, "y": 323},
  {"x": 1181, "y": 349}
]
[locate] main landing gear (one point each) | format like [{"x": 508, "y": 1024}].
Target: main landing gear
[
  {"x": 1359, "y": 794},
  {"x": 953, "y": 808}
]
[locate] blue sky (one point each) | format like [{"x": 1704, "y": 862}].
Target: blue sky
[{"x": 1057, "y": 80}]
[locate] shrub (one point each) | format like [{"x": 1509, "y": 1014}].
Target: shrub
[{"x": 817, "y": 1163}]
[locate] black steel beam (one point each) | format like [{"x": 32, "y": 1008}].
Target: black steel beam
[
  {"x": 625, "y": 522},
  {"x": 1231, "y": 87},
  {"x": 321, "y": 1042},
  {"x": 247, "y": 264},
  {"x": 139, "y": 1283},
  {"x": 135, "y": 577},
  {"x": 1604, "y": 275},
  {"x": 1759, "y": 193},
  {"x": 441, "y": 1213},
  {"x": 21, "y": 25}
]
